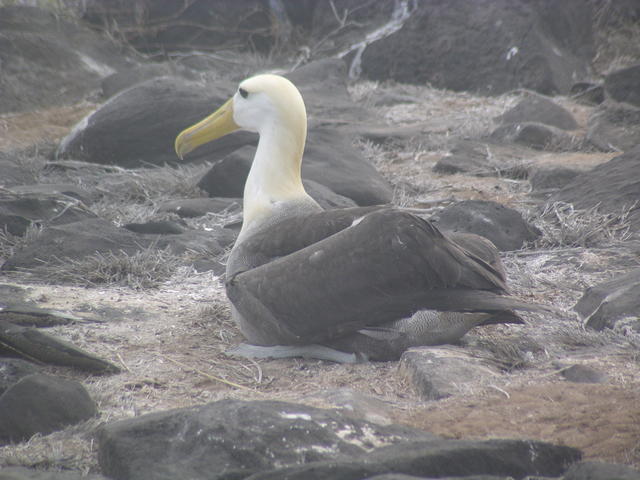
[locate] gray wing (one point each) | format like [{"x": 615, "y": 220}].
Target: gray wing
[{"x": 386, "y": 267}]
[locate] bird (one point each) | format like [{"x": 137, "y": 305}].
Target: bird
[{"x": 345, "y": 285}]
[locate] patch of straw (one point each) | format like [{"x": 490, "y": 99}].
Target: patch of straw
[
  {"x": 10, "y": 243},
  {"x": 563, "y": 225},
  {"x": 508, "y": 354},
  {"x": 147, "y": 268}
]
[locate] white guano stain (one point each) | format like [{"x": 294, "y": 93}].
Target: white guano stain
[
  {"x": 100, "y": 68},
  {"x": 296, "y": 416}
]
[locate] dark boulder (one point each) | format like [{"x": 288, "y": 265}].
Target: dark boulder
[
  {"x": 442, "y": 458},
  {"x": 553, "y": 178},
  {"x": 49, "y": 61},
  {"x": 138, "y": 127},
  {"x": 614, "y": 127},
  {"x": 12, "y": 370},
  {"x": 612, "y": 186},
  {"x": 233, "y": 439},
  {"x": 326, "y": 197},
  {"x": 609, "y": 303},
  {"x": 42, "y": 404},
  {"x": 479, "y": 46},
  {"x": 482, "y": 159},
  {"x": 436, "y": 374},
  {"x": 78, "y": 240},
  {"x": 583, "y": 374},
  {"x": 504, "y": 226},
  {"x": 331, "y": 160},
  {"x": 36, "y": 345},
  {"x": 74, "y": 240},
  {"x": 18, "y": 212},
  {"x": 536, "y": 135},
  {"x": 63, "y": 191},
  {"x": 211, "y": 241},
  {"x": 539, "y": 109},
  {"x": 19, "y": 312},
  {"x": 169, "y": 26},
  {"x": 624, "y": 85},
  {"x": 126, "y": 78},
  {"x": 587, "y": 93},
  {"x": 355, "y": 404},
  {"x": 323, "y": 85},
  {"x": 465, "y": 157},
  {"x": 226, "y": 177}
]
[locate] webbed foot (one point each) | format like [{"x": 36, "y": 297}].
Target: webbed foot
[{"x": 318, "y": 352}]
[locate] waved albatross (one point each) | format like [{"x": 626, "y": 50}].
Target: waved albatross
[{"x": 347, "y": 284}]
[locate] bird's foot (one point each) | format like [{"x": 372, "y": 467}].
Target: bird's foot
[{"x": 319, "y": 352}]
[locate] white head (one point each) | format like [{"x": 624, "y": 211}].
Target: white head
[
  {"x": 272, "y": 106},
  {"x": 260, "y": 104}
]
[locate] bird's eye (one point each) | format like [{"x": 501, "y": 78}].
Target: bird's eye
[{"x": 243, "y": 92}]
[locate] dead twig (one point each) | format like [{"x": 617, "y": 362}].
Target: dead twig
[{"x": 207, "y": 375}]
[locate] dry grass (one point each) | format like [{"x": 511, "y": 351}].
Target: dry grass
[
  {"x": 146, "y": 268},
  {"x": 563, "y": 225},
  {"x": 133, "y": 196},
  {"x": 617, "y": 37},
  {"x": 10, "y": 243},
  {"x": 510, "y": 353}
]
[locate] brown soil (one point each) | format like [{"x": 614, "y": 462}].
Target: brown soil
[{"x": 601, "y": 420}]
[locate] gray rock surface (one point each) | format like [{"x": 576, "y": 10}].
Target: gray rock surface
[
  {"x": 440, "y": 373},
  {"x": 49, "y": 61},
  {"x": 539, "y": 109},
  {"x": 465, "y": 157},
  {"x": 479, "y": 46},
  {"x": 161, "y": 26},
  {"x": 504, "y": 226},
  {"x": 137, "y": 127},
  {"x": 12, "y": 370},
  {"x": 605, "y": 305},
  {"x": 42, "y": 404},
  {"x": 73, "y": 240},
  {"x": 233, "y": 439},
  {"x": 551, "y": 179},
  {"x": 536, "y": 135},
  {"x": 326, "y": 197},
  {"x": 19, "y": 211},
  {"x": 624, "y": 85},
  {"x": 441, "y": 458},
  {"x": 128, "y": 77},
  {"x": 612, "y": 186},
  {"x": 587, "y": 93},
  {"x": 77, "y": 240},
  {"x": 39, "y": 346},
  {"x": 583, "y": 374},
  {"x": 614, "y": 127}
]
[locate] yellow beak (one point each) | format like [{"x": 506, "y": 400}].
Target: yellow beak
[{"x": 216, "y": 125}]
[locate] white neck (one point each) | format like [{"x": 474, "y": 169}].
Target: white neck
[{"x": 275, "y": 173}]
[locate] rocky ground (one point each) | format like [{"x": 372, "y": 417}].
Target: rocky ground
[{"x": 157, "y": 311}]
